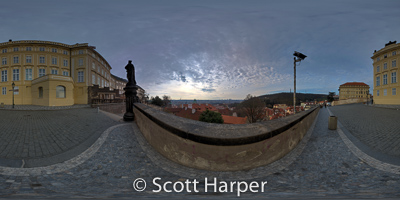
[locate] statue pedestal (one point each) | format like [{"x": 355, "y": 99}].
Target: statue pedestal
[{"x": 131, "y": 98}]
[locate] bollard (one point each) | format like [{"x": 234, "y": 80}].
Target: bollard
[
  {"x": 97, "y": 109},
  {"x": 332, "y": 124}
]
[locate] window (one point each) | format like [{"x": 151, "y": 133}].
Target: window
[
  {"x": 54, "y": 61},
  {"x": 80, "y": 52},
  {"x": 93, "y": 66},
  {"x": 28, "y": 59},
  {"x": 384, "y": 66},
  {"x": 60, "y": 91},
  {"x": 80, "y": 76},
  {"x": 393, "y": 91},
  {"x": 93, "y": 79},
  {"x": 4, "y": 76},
  {"x": 4, "y": 50},
  {"x": 28, "y": 48},
  {"x": 378, "y": 81},
  {"x": 15, "y": 74},
  {"x": 385, "y": 56},
  {"x": 28, "y": 74},
  {"x": 65, "y": 52},
  {"x": 102, "y": 72},
  {"x": 98, "y": 69},
  {"x": 98, "y": 81},
  {"x": 394, "y": 78},
  {"x": 393, "y": 63},
  {"x": 384, "y": 79},
  {"x": 378, "y": 69},
  {"x": 393, "y": 53},
  {"x": 377, "y": 93},
  {"x": 384, "y": 92},
  {"x": 41, "y": 59},
  {"x": 65, "y": 73},
  {"x": 80, "y": 61},
  {"x": 16, "y": 59},
  {"x": 4, "y": 61},
  {"x": 16, "y": 90},
  {"x": 42, "y": 72},
  {"x": 4, "y": 90},
  {"x": 40, "y": 92},
  {"x": 54, "y": 71},
  {"x": 16, "y": 49},
  {"x": 41, "y": 49},
  {"x": 65, "y": 63},
  {"x": 54, "y": 50},
  {"x": 102, "y": 82}
]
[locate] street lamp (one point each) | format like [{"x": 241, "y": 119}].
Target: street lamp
[
  {"x": 300, "y": 57},
  {"x": 13, "y": 85}
]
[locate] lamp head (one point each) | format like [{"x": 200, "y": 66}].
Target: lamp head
[
  {"x": 299, "y": 55},
  {"x": 13, "y": 84}
]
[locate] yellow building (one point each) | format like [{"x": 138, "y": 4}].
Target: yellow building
[
  {"x": 354, "y": 90},
  {"x": 50, "y": 73},
  {"x": 386, "y": 69}
]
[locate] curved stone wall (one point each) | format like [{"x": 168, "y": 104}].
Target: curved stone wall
[{"x": 221, "y": 147}]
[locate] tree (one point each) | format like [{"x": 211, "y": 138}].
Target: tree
[
  {"x": 211, "y": 117},
  {"x": 156, "y": 101},
  {"x": 330, "y": 96},
  {"x": 253, "y": 108},
  {"x": 166, "y": 100}
]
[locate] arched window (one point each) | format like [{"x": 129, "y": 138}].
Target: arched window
[
  {"x": 60, "y": 91},
  {"x": 40, "y": 92}
]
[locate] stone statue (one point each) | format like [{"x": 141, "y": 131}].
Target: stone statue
[{"x": 130, "y": 69}]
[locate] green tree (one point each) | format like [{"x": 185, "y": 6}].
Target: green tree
[
  {"x": 330, "y": 96},
  {"x": 211, "y": 117},
  {"x": 166, "y": 100},
  {"x": 156, "y": 101}
]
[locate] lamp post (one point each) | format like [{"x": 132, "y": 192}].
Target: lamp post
[
  {"x": 13, "y": 85},
  {"x": 300, "y": 57}
]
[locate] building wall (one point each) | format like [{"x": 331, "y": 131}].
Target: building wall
[
  {"x": 353, "y": 92},
  {"x": 386, "y": 63},
  {"x": 79, "y": 62}
]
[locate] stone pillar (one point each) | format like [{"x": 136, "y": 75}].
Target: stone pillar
[{"x": 130, "y": 92}]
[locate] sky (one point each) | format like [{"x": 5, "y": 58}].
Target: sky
[{"x": 219, "y": 49}]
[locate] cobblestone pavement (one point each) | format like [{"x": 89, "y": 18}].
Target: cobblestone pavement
[
  {"x": 324, "y": 167},
  {"x": 376, "y": 127},
  {"x": 35, "y": 138}
]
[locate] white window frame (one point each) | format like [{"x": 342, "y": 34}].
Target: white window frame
[
  {"x": 393, "y": 91},
  {"x": 394, "y": 63},
  {"x": 378, "y": 81},
  {"x": 384, "y": 81},
  {"x": 54, "y": 60},
  {"x": 42, "y": 59},
  {"x": 42, "y": 49},
  {"x": 65, "y": 63},
  {"x": 4, "y": 76},
  {"x": 42, "y": 72},
  {"x": 394, "y": 77},
  {"x": 81, "y": 77},
  {"x": 16, "y": 90},
  {"x": 54, "y": 50},
  {"x": 28, "y": 49},
  {"x": 4, "y": 91},
  {"x": 16, "y": 48},
  {"x": 93, "y": 79},
  {"x": 16, "y": 59},
  {"x": 378, "y": 68},
  {"x": 384, "y": 66},
  {"x": 4, "y": 50},
  {"x": 80, "y": 62},
  {"x": 377, "y": 93},
  {"x": 28, "y": 74},
  {"x": 54, "y": 71},
  {"x": 65, "y": 73},
  {"x": 384, "y": 92},
  {"x": 29, "y": 59},
  {"x": 65, "y": 52},
  {"x": 4, "y": 61},
  {"x": 15, "y": 74},
  {"x": 80, "y": 52}
]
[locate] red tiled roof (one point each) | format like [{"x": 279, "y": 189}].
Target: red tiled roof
[
  {"x": 355, "y": 83},
  {"x": 234, "y": 120}
]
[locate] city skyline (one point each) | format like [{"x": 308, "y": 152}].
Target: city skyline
[{"x": 218, "y": 49}]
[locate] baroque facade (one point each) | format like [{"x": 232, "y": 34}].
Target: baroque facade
[
  {"x": 386, "y": 69},
  {"x": 354, "y": 90},
  {"x": 51, "y": 73}
]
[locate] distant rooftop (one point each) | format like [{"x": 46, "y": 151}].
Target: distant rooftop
[{"x": 355, "y": 83}]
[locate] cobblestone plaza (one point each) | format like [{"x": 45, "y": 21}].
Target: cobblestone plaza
[{"x": 96, "y": 155}]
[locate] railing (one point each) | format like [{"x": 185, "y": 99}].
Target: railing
[{"x": 104, "y": 101}]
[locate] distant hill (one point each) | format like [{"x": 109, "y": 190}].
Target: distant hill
[{"x": 287, "y": 98}]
